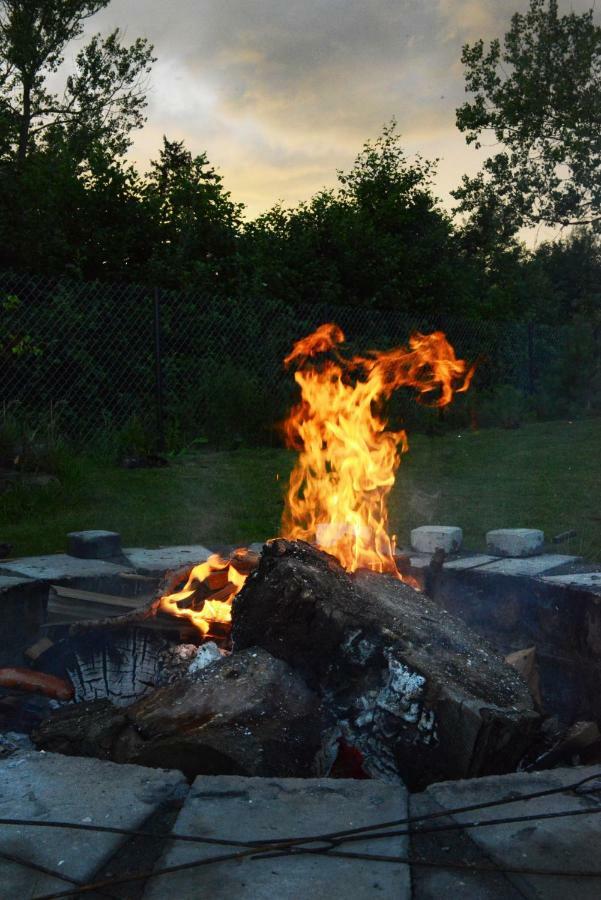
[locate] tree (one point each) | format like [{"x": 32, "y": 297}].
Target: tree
[
  {"x": 194, "y": 220},
  {"x": 380, "y": 239},
  {"x": 103, "y": 99},
  {"x": 540, "y": 96}
]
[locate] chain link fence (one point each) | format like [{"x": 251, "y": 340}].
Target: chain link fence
[{"x": 89, "y": 359}]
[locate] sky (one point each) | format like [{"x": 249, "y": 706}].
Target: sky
[{"x": 281, "y": 94}]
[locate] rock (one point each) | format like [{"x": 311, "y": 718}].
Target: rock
[
  {"x": 247, "y": 714},
  {"x": 413, "y": 689},
  {"x": 515, "y": 542},
  {"x": 94, "y": 544},
  {"x": 429, "y": 538}
]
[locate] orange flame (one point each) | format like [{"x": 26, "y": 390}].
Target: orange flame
[
  {"x": 215, "y": 606},
  {"x": 347, "y": 459}
]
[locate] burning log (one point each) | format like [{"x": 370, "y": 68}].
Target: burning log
[
  {"x": 248, "y": 714},
  {"x": 414, "y": 691}
]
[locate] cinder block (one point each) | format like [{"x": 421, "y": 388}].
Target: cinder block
[
  {"x": 515, "y": 542},
  {"x": 94, "y": 544},
  {"x": 429, "y": 538}
]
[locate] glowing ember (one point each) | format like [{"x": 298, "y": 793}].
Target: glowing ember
[{"x": 347, "y": 459}]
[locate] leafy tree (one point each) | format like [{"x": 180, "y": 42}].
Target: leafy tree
[
  {"x": 103, "y": 99},
  {"x": 380, "y": 239},
  {"x": 194, "y": 222},
  {"x": 539, "y": 95}
]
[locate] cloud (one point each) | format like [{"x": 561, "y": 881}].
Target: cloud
[{"x": 282, "y": 94}]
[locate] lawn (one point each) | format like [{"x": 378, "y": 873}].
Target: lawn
[{"x": 545, "y": 475}]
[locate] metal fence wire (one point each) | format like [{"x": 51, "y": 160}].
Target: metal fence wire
[{"x": 90, "y": 358}]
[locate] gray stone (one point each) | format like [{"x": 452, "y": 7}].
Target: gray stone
[
  {"x": 429, "y": 538},
  {"x": 46, "y": 786},
  {"x": 566, "y": 844},
  {"x": 94, "y": 544},
  {"x": 517, "y": 542},
  {"x": 420, "y": 562},
  {"x": 470, "y": 562},
  {"x": 153, "y": 562},
  {"x": 582, "y": 581},
  {"x": 21, "y": 614},
  {"x": 60, "y": 567},
  {"x": 256, "y": 809},
  {"x": 536, "y": 565}
]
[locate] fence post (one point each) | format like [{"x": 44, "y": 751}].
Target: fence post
[
  {"x": 530, "y": 357},
  {"x": 158, "y": 373}
]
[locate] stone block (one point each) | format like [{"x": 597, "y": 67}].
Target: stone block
[
  {"x": 516, "y": 542},
  {"x": 94, "y": 544},
  {"x": 261, "y": 809},
  {"x": 163, "y": 559},
  {"x": 565, "y": 844},
  {"x": 469, "y": 562},
  {"x": 60, "y": 567},
  {"x": 46, "y": 786},
  {"x": 21, "y": 614},
  {"x": 527, "y": 566},
  {"x": 429, "y": 538},
  {"x": 588, "y": 582}
]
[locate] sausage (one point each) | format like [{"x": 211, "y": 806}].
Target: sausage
[{"x": 36, "y": 683}]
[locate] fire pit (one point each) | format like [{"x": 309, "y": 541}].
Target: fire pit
[{"x": 319, "y": 653}]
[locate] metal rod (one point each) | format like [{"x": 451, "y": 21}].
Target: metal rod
[{"x": 158, "y": 370}]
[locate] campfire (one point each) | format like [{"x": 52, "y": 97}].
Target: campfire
[
  {"x": 346, "y": 464},
  {"x": 317, "y": 656}
]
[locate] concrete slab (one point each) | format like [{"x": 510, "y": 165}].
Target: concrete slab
[
  {"x": 250, "y": 809},
  {"x": 582, "y": 581},
  {"x": 568, "y": 844},
  {"x": 49, "y": 786},
  {"x": 535, "y": 565},
  {"x": 429, "y": 538},
  {"x": 60, "y": 567},
  {"x": 515, "y": 542},
  {"x": 470, "y": 562},
  {"x": 153, "y": 562}
]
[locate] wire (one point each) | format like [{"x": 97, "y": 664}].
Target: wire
[
  {"x": 267, "y": 851},
  {"x": 328, "y": 836}
]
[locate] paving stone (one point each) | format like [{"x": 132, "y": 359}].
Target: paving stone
[
  {"x": 583, "y": 581},
  {"x": 470, "y": 562},
  {"x": 428, "y": 538},
  {"x": 515, "y": 542},
  {"x": 532, "y": 566},
  {"x": 60, "y": 567},
  {"x": 94, "y": 544},
  {"x": 21, "y": 614},
  {"x": 420, "y": 562},
  {"x": 48, "y": 786},
  {"x": 151, "y": 562},
  {"x": 250, "y": 809},
  {"x": 566, "y": 844}
]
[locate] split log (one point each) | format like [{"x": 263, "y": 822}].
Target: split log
[
  {"x": 244, "y": 715},
  {"x": 414, "y": 690}
]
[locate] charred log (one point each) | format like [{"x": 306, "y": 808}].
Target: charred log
[
  {"x": 416, "y": 692},
  {"x": 248, "y": 714}
]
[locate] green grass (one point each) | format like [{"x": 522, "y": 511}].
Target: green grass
[{"x": 544, "y": 475}]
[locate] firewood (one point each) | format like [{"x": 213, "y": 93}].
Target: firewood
[
  {"x": 414, "y": 690},
  {"x": 244, "y": 561}
]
